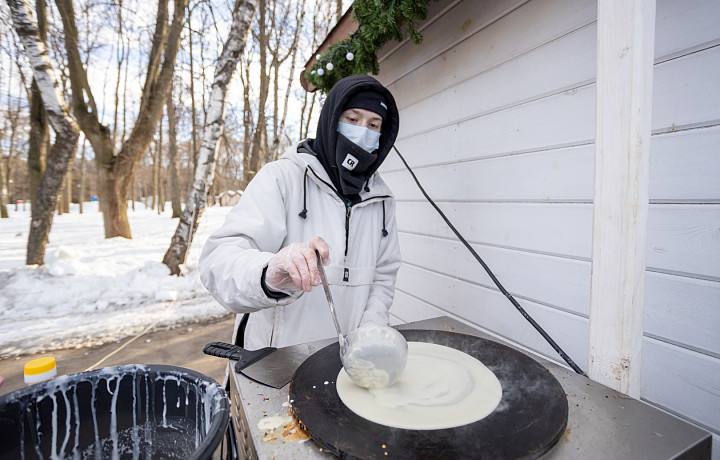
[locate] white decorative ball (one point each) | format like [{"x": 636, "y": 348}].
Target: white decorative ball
[
  {"x": 329, "y": 66},
  {"x": 349, "y": 56},
  {"x": 317, "y": 56},
  {"x": 321, "y": 72}
]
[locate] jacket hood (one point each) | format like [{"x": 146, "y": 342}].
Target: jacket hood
[{"x": 325, "y": 142}]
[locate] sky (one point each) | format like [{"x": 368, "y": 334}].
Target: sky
[{"x": 93, "y": 290}]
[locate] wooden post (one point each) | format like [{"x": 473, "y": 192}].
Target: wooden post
[{"x": 625, "y": 45}]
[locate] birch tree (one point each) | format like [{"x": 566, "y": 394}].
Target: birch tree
[
  {"x": 66, "y": 131},
  {"x": 243, "y": 13},
  {"x": 115, "y": 170},
  {"x": 39, "y": 131}
]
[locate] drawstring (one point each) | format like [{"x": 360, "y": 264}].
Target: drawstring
[
  {"x": 303, "y": 213},
  {"x": 384, "y": 230}
]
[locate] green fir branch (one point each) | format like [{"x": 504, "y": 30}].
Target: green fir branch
[{"x": 379, "y": 21}]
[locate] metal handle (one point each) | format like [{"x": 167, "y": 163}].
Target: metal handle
[{"x": 323, "y": 278}]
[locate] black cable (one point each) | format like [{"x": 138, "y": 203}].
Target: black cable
[{"x": 515, "y": 303}]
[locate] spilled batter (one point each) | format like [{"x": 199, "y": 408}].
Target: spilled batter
[{"x": 441, "y": 388}]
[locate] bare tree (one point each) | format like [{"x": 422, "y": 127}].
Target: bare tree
[
  {"x": 259, "y": 141},
  {"x": 66, "y": 131},
  {"x": 193, "y": 111},
  {"x": 81, "y": 193},
  {"x": 122, "y": 53},
  {"x": 161, "y": 174},
  {"x": 3, "y": 188},
  {"x": 12, "y": 120},
  {"x": 172, "y": 157},
  {"x": 64, "y": 198},
  {"x": 39, "y": 131},
  {"x": 279, "y": 129},
  {"x": 321, "y": 26},
  {"x": 3, "y": 194},
  {"x": 243, "y": 13},
  {"x": 115, "y": 171},
  {"x": 247, "y": 117}
]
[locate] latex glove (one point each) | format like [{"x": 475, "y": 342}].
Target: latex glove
[{"x": 294, "y": 268}]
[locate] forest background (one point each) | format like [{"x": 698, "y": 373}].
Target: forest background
[
  {"x": 267, "y": 111},
  {"x": 96, "y": 284}
]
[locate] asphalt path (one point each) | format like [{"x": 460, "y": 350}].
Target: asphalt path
[{"x": 181, "y": 346}]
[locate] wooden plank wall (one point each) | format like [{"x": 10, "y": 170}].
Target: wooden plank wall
[{"x": 497, "y": 120}]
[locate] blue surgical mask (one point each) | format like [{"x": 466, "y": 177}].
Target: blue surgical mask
[{"x": 364, "y": 138}]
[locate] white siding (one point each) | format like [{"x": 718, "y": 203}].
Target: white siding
[{"x": 497, "y": 120}]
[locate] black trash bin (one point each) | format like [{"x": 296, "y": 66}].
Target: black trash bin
[{"x": 122, "y": 412}]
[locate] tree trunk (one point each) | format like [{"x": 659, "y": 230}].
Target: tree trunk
[
  {"x": 3, "y": 193},
  {"x": 193, "y": 110},
  {"x": 121, "y": 58},
  {"x": 82, "y": 178},
  {"x": 38, "y": 141},
  {"x": 61, "y": 199},
  {"x": 66, "y": 131},
  {"x": 309, "y": 116},
  {"x": 227, "y": 62},
  {"x": 156, "y": 161},
  {"x": 159, "y": 168},
  {"x": 153, "y": 179},
  {"x": 247, "y": 122},
  {"x": 115, "y": 172},
  {"x": 68, "y": 185},
  {"x": 172, "y": 157},
  {"x": 39, "y": 131},
  {"x": 259, "y": 143},
  {"x": 280, "y": 131},
  {"x": 65, "y": 197},
  {"x": 11, "y": 121}
]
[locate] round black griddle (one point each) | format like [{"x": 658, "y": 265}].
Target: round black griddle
[{"x": 528, "y": 421}]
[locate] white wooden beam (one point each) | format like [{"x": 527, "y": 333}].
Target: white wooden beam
[{"x": 625, "y": 44}]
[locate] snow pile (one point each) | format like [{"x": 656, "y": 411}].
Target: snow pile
[{"x": 93, "y": 290}]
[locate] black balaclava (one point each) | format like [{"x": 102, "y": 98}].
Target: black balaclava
[{"x": 332, "y": 148}]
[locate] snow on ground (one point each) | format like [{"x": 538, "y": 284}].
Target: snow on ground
[{"x": 93, "y": 290}]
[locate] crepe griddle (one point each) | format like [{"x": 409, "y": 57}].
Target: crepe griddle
[{"x": 528, "y": 421}]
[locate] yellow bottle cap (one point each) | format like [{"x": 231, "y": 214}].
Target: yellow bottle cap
[{"x": 40, "y": 365}]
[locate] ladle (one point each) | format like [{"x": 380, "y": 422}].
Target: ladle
[{"x": 373, "y": 356}]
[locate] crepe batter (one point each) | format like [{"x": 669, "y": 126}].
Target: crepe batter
[{"x": 441, "y": 388}]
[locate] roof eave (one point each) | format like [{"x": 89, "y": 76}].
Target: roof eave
[{"x": 342, "y": 30}]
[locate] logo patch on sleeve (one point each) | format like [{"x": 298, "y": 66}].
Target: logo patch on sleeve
[{"x": 350, "y": 162}]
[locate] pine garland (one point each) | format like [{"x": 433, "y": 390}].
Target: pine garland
[{"x": 379, "y": 21}]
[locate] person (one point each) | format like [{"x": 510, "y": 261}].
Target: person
[{"x": 326, "y": 197}]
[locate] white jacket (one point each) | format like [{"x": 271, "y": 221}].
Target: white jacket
[{"x": 363, "y": 262}]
